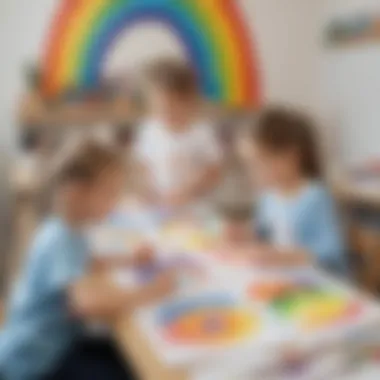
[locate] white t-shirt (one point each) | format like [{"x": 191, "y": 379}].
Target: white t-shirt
[{"x": 174, "y": 159}]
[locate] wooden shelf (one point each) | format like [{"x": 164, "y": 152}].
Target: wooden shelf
[{"x": 354, "y": 193}]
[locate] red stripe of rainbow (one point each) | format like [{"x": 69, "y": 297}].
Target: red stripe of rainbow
[{"x": 213, "y": 32}]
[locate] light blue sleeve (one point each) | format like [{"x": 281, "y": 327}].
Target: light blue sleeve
[
  {"x": 325, "y": 238},
  {"x": 57, "y": 259},
  {"x": 65, "y": 264},
  {"x": 260, "y": 221},
  {"x": 39, "y": 324}
]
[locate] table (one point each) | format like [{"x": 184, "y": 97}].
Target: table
[{"x": 135, "y": 347}]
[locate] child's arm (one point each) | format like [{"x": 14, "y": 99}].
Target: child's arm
[
  {"x": 143, "y": 183},
  {"x": 205, "y": 182},
  {"x": 143, "y": 255},
  {"x": 99, "y": 298},
  {"x": 323, "y": 245},
  {"x": 268, "y": 256},
  {"x": 326, "y": 244},
  {"x": 209, "y": 153},
  {"x": 142, "y": 157},
  {"x": 265, "y": 254}
]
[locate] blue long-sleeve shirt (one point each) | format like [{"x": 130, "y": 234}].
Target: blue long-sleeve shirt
[
  {"x": 309, "y": 220},
  {"x": 39, "y": 327}
]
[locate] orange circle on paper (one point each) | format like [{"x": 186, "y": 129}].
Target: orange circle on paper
[{"x": 213, "y": 326}]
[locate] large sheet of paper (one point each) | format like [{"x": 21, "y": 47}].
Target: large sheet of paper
[
  {"x": 247, "y": 321},
  {"x": 258, "y": 316}
]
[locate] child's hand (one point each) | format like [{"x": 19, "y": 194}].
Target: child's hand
[
  {"x": 162, "y": 286},
  {"x": 267, "y": 256},
  {"x": 237, "y": 233},
  {"x": 144, "y": 255},
  {"x": 261, "y": 256},
  {"x": 176, "y": 199}
]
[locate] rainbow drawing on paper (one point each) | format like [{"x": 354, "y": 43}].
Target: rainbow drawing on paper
[
  {"x": 305, "y": 302},
  {"x": 212, "y": 319},
  {"x": 214, "y": 33}
]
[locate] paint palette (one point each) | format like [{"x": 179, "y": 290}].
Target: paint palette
[
  {"x": 186, "y": 236},
  {"x": 305, "y": 302},
  {"x": 190, "y": 271},
  {"x": 116, "y": 240},
  {"x": 206, "y": 320}
]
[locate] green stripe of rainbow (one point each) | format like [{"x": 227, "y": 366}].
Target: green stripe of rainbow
[{"x": 213, "y": 32}]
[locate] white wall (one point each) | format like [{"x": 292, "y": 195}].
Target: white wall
[
  {"x": 288, "y": 39},
  {"x": 287, "y": 36},
  {"x": 352, "y": 89},
  {"x": 23, "y": 24},
  {"x": 286, "y": 32}
]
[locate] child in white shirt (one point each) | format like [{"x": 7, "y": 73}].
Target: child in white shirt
[{"x": 177, "y": 149}]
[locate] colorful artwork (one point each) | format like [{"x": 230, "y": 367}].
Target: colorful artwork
[
  {"x": 207, "y": 320},
  {"x": 305, "y": 302},
  {"x": 353, "y": 30},
  {"x": 214, "y": 33}
]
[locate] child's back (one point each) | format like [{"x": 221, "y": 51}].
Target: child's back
[{"x": 39, "y": 327}]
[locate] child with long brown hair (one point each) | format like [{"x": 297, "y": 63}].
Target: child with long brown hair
[{"x": 295, "y": 211}]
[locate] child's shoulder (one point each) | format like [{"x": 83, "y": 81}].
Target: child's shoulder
[
  {"x": 151, "y": 126},
  {"x": 317, "y": 191},
  {"x": 316, "y": 198},
  {"x": 52, "y": 227},
  {"x": 147, "y": 126},
  {"x": 202, "y": 131},
  {"x": 314, "y": 192},
  {"x": 202, "y": 126},
  {"x": 51, "y": 233}
]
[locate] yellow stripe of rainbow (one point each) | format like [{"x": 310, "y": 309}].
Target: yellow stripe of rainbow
[{"x": 212, "y": 31}]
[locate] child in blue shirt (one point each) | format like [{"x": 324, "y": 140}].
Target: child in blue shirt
[
  {"x": 295, "y": 212},
  {"x": 57, "y": 292}
]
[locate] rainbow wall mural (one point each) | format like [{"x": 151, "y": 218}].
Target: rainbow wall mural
[{"x": 214, "y": 33}]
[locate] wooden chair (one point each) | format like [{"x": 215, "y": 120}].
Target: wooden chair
[{"x": 363, "y": 219}]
